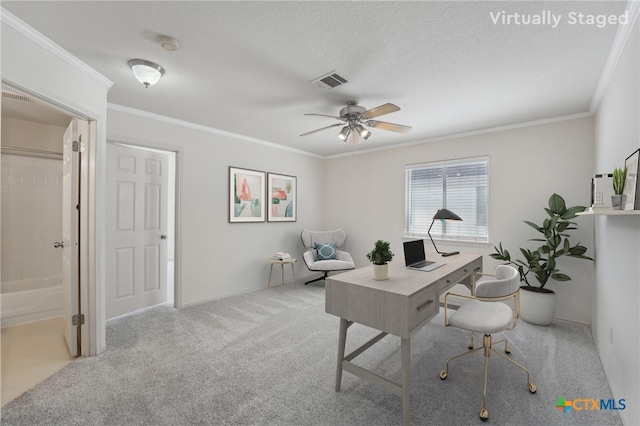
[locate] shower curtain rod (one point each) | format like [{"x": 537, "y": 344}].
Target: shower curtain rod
[{"x": 31, "y": 150}]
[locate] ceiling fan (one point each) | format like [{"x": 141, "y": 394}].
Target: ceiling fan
[{"x": 354, "y": 119}]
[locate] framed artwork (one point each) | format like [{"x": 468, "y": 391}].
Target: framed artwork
[
  {"x": 282, "y": 191},
  {"x": 631, "y": 188},
  {"x": 246, "y": 195}
]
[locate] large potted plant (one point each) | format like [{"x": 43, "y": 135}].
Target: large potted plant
[
  {"x": 619, "y": 178},
  {"x": 537, "y": 303},
  {"x": 379, "y": 256}
]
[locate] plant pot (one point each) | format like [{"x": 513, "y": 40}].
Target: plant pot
[
  {"x": 618, "y": 201},
  {"x": 537, "y": 305},
  {"x": 380, "y": 272}
]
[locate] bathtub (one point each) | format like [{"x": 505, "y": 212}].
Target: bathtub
[{"x": 30, "y": 300}]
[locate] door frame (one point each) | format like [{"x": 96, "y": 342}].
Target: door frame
[{"x": 177, "y": 240}]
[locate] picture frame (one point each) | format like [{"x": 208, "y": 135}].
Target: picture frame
[
  {"x": 631, "y": 188},
  {"x": 246, "y": 195},
  {"x": 283, "y": 198}
]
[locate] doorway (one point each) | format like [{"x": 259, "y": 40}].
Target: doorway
[{"x": 140, "y": 224}]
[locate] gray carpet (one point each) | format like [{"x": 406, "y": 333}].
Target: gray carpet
[{"x": 267, "y": 357}]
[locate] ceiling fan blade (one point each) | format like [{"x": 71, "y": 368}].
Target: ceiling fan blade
[
  {"x": 323, "y": 128},
  {"x": 330, "y": 116},
  {"x": 380, "y": 110},
  {"x": 399, "y": 128}
]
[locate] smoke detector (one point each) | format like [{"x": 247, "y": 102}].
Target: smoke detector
[
  {"x": 168, "y": 43},
  {"x": 329, "y": 81}
]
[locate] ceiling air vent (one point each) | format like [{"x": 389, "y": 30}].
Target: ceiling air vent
[
  {"x": 17, "y": 97},
  {"x": 329, "y": 81}
]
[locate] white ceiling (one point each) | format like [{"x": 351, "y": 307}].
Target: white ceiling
[{"x": 246, "y": 67}]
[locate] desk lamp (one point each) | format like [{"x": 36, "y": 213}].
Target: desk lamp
[{"x": 443, "y": 215}]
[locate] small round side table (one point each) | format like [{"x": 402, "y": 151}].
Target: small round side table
[{"x": 291, "y": 261}]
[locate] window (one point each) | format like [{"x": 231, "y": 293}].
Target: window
[{"x": 458, "y": 185}]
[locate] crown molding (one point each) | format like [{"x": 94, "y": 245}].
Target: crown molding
[
  {"x": 207, "y": 129},
  {"x": 619, "y": 43},
  {"x": 461, "y": 135},
  {"x": 9, "y": 19}
]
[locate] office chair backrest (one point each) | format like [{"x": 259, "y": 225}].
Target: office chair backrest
[
  {"x": 309, "y": 238},
  {"x": 506, "y": 281}
]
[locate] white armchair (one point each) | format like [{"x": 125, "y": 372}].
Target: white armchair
[
  {"x": 323, "y": 254},
  {"x": 486, "y": 313}
]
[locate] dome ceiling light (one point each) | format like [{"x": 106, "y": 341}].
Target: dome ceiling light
[{"x": 146, "y": 72}]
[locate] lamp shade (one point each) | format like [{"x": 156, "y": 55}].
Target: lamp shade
[
  {"x": 446, "y": 214},
  {"x": 443, "y": 215},
  {"x": 146, "y": 72}
]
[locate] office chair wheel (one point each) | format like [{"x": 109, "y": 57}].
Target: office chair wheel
[
  {"x": 532, "y": 388},
  {"x": 443, "y": 374},
  {"x": 470, "y": 345},
  {"x": 484, "y": 414},
  {"x": 507, "y": 350}
]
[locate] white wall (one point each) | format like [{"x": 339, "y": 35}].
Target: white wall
[
  {"x": 617, "y": 296},
  {"x": 365, "y": 194},
  {"x": 219, "y": 258}
]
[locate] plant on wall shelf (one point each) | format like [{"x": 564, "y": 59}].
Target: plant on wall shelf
[
  {"x": 619, "y": 179},
  {"x": 542, "y": 261},
  {"x": 618, "y": 200}
]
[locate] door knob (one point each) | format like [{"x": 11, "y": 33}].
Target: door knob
[
  {"x": 163, "y": 237},
  {"x": 59, "y": 244}
]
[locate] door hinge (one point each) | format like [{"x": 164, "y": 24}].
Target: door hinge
[
  {"x": 77, "y": 319},
  {"x": 78, "y": 146}
]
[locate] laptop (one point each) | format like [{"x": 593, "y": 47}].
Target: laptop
[{"x": 415, "y": 258}]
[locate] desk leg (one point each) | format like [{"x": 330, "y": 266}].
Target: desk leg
[
  {"x": 342, "y": 340},
  {"x": 405, "y": 347},
  {"x": 270, "y": 271}
]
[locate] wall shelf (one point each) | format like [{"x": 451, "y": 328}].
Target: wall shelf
[{"x": 609, "y": 212}]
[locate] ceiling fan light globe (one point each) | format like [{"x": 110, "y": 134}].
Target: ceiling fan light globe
[
  {"x": 344, "y": 133},
  {"x": 364, "y": 133},
  {"x": 354, "y": 139}
]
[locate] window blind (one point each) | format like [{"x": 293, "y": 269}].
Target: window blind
[{"x": 458, "y": 185}]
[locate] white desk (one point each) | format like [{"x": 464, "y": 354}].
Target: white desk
[{"x": 400, "y": 305}]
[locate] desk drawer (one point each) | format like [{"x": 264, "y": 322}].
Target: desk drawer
[
  {"x": 458, "y": 276},
  {"x": 422, "y": 306}
]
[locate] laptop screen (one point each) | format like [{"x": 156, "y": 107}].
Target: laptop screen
[{"x": 413, "y": 252}]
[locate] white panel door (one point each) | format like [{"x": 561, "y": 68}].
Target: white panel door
[
  {"x": 69, "y": 243},
  {"x": 137, "y": 202}
]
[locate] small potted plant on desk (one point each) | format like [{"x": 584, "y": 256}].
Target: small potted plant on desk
[
  {"x": 538, "y": 304},
  {"x": 379, "y": 256},
  {"x": 619, "y": 178}
]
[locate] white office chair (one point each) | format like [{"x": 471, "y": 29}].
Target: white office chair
[
  {"x": 486, "y": 313},
  {"x": 322, "y": 253}
]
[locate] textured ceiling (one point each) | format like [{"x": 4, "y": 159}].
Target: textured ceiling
[{"x": 246, "y": 67}]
